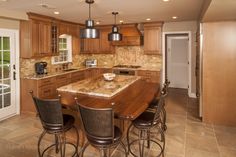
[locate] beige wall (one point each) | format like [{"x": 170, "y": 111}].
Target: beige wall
[
  {"x": 9, "y": 23},
  {"x": 186, "y": 26}
]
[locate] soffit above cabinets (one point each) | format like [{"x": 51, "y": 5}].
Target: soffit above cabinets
[
  {"x": 220, "y": 10},
  {"x": 130, "y": 11}
]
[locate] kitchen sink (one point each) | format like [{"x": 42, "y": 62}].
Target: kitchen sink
[{"x": 70, "y": 69}]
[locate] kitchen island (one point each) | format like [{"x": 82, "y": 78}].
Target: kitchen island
[{"x": 128, "y": 95}]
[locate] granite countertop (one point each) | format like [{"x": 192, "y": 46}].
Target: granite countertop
[
  {"x": 38, "y": 77},
  {"x": 99, "y": 87},
  {"x": 52, "y": 74}
]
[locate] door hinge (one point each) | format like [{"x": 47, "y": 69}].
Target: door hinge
[{"x": 188, "y": 86}]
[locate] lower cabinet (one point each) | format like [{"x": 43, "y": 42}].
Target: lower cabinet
[{"x": 46, "y": 88}]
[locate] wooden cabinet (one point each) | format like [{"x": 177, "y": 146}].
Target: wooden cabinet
[
  {"x": 35, "y": 38},
  {"x": 101, "y": 45},
  {"x": 77, "y": 76},
  {"x": 105, "y": 45},
  {"x": 149, "y": 76},
  {"x": 131, "y": 36},
  {"x": 62, "y": 80},
  {"x": 152, "y": 38},
  {"x": 73, "y": 30}
]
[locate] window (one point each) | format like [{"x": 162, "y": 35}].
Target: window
[{"x": 65, "y": 51}]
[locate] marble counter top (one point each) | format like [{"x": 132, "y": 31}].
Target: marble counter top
[{"x": 99, "y": 87}]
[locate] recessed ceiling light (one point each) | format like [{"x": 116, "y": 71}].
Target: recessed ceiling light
[
  {"x": 174, "y": 17},
  {"x": 121, "y": 21},
  {"x": 56, "y": 12},
  {"x": 148, "y": 19},
  {"x": 166, "y": 0},
  {"x": 3, "y": 0},
  {"x": 98, "y": 22}
]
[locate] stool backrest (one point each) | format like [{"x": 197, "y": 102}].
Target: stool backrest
[
  {"x": 158, "y": 108},
  {"x": 50, "y": 112},
  {"x": 98, "y": 123}
]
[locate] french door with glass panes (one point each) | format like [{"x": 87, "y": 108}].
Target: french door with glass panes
[{"x": 8, "y": 90}]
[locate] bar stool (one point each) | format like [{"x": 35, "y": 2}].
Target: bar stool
[
  {"x": 55, "y": 123},
  {"x": 144, "y": 123},
  {"x": 99, "y": 128},
  {"x": 152, "y": 105}
]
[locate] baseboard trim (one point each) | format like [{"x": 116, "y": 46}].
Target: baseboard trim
[{"x": 192, "y": 95}]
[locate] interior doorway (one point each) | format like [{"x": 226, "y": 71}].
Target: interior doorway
[
  {"x": 9, "y": 80},
  {"x": 177, "y": 48}
]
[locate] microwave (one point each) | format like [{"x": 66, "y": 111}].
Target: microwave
[{"x": 90, "y": 62}]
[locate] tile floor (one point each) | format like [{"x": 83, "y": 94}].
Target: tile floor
[{"x": 186, "y": 135}]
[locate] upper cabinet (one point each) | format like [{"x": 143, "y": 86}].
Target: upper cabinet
[
  {"x": 101, "y": 45},
  {"x": 131, "y": 36},
  {"x": 152, "y": 38},
  {"x": 39, "y": 36},
  {"x": 73, "y": 30},
  {"x": 35, "y": 35}
]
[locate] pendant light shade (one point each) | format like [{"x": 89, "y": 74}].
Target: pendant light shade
[
  {"x": 115, "y": 35},
  {"x": 89, "y": 32}
]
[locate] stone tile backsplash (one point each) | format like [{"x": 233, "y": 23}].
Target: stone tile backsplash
[{"x": 131, "y": 55}]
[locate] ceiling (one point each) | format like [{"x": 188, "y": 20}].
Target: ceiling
[
  {"x": 219, "y": 10},
  {"x": 130, "y": 11}
]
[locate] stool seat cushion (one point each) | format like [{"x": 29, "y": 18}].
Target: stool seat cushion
[
  {"x": 105, "y": 142},
  {"x": 146, "y": 119},
  {"x": 68, "y": 124}
]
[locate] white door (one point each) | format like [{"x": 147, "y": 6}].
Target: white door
[
  {"x": 7, "y": 74},
  {"x": 177, "y": 61}
]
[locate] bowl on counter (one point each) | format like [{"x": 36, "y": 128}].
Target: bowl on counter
[{"x": 109, "y": 76}]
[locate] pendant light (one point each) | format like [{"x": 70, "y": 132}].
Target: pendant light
[
  {"x": 89, "y": 32},
  {"x": 115, "y": 35}
]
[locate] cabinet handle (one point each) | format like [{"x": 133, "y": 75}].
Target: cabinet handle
[{"x": 14, "y": 75}]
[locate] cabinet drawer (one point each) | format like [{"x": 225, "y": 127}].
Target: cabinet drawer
[
  {"x": 46, "y": 81},
  {"x": 47, "y": 91},
  {"x": 149, "y": 76}
]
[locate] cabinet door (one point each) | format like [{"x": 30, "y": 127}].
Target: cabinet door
[
  {"x": 105, "y": 45},
  {"x": 152, "y": 39},
  {"x": 75, "y": 39},
  {"x": 35, "y": 37},
  {"x": 45, "y": 38}
]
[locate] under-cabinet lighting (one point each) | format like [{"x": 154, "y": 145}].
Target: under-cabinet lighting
[
  {"x": 166, "y": 0},
  {"x": 148, "y": 19},
  {"x": 121, "y": 21}
]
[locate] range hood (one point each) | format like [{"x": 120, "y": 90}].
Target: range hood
[{"x": 132, "y": 35}]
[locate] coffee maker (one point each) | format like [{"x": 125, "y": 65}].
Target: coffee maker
[{"x": 41, "y": 68}]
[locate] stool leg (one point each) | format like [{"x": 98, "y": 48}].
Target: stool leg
[
  {"x": 141, "y": 145},
  {"x": 56, "y": 143},
  {"x": 77, "y": 142},
  {"x": 83, "y": 149},
  {"x": 122, "y": 144},
  {"x": 148, "y": 138},
  {"x": 39, "y": 141},
  {"x": 127, "y": 136},
  {"x": 164, "y": 127}
]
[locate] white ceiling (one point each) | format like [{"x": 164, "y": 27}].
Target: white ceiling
[{"x": 131, "y": 11}]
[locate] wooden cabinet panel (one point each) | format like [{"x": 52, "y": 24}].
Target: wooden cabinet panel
[
  {"x": 105, "y": 44},
  {"x": 48, "y": 91},
  {"x": 152, "y": 38},
  {"x": 131, "y": 36},
  {"x": 149, "y": 76},
  {"x": 77, "y": 76},
  {"x": 101, "y": 45},
  {"x": 35, "y": 38},
  {"x": 62, "y": 80}
]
